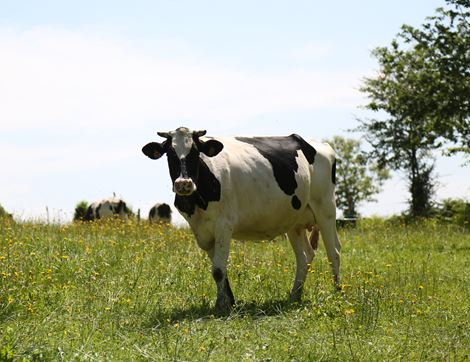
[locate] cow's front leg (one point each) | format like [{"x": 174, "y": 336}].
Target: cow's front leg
[{"x": 219, "y": 256}]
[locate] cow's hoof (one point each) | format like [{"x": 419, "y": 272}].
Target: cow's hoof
[
  {"x": 295, "y": 297},
  {"x": 222, "y": 310},
  {"x": 223, "y": 306},
  {"x": 219, "y": 312}
]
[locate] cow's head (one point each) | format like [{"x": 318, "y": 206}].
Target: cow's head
[{"x": 183, "y": 148}]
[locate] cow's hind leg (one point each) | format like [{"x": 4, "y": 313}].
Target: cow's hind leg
[
  {"x": 219, "y": 257},
  {"x": 304, "y": 254},
  {"x": 326, "y": 218}
]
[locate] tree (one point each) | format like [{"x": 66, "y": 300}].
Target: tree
[
  {"x": 423, "y": 89},
  {"x": 357, "y": 180}
]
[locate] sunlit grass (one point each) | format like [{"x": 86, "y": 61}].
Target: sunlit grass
[{"x": 124, "y": 291}]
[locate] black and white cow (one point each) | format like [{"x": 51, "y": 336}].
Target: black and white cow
[
  {"x": 107, "y": 208},
  {"x": 253, "y": 188},
  {"x": 160, "y": 213}
]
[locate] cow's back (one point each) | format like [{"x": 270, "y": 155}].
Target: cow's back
[{"x": 253, "y": 200}]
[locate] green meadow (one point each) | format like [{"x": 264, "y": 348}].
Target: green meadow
[{"x": 127, "y": 292}]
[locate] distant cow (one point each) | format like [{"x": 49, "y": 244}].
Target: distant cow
[
  {"x": 253, "y": 188},
  {"x": 160, "y": 213},
  {"x": 107, "y": 208}
]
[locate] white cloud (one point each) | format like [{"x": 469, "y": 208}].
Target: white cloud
[{"x": 57, "y": 78}]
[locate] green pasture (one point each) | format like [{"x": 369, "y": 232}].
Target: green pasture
[{"x": 128, "y": 292}]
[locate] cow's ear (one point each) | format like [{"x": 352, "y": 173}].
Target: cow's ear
[
  {"x": 155, "y": 150},
  {"x": 211, "y": 148}
]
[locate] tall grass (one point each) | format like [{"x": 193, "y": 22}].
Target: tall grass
[{"x": 127, "y": 292}]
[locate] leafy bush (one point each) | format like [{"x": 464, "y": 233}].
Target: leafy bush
[
  {"x": 80, "y": 211},
  {"x": 455, "y": 211},
  {"x": 449, "y": 211}
]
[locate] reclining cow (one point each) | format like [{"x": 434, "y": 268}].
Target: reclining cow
[
  {"x": 253, "y": 188},
  {"x": 107, "y": 208},
  {"x": 160, "y": 213}
]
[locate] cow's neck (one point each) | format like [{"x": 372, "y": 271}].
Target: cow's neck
[{"x": 208, "y": 189}]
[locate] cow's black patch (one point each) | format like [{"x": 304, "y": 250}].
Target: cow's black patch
[
  {"x": 121, "y": 207},
  {"x": 281, "y": 153},
  {"x": 296, "y": 204},
  {"x": 98, "y": 211},
  {"x": 308, "y": 150},
  {"x": 333, "y": 173},
  {"x": 218, "y": 275},
  {"x": 164, "y": 211}
]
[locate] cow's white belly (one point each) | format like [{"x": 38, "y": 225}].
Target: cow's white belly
[
  {"x": 265, "y": 215},
  {"x": 263, "y": 223},
  {"x": 246, "y": 223},
  {"x": 258, "y": 234}
]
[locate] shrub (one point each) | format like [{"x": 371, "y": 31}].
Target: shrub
[
  {"x": 455, "y": 211},
  {"x": 80, "y": 211}
]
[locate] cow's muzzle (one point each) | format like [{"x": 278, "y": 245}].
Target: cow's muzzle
[{"x": 184, "y": 186}]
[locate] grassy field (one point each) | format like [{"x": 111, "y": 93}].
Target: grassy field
[{"x": 130, "y": 292}]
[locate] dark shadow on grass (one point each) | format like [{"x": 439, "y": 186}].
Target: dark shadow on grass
[
  {"x": 242, "y": 309},
  {"x": 269, "y": 308}
]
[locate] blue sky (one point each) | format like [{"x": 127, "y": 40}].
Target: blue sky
[{"x": 84, "y": 85}]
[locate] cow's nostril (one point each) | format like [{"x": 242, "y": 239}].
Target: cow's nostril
[{"x": 184, "y": 186}]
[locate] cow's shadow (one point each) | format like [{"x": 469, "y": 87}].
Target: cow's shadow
[{"x": 206, "y": 311}]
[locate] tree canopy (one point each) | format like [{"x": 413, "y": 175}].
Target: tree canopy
[
  {"x": 422, "y": 93},
  {"x": 425, "y": 76}
]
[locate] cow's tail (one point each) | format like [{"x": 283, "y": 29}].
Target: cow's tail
[{"x": 333, "y": 172}]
